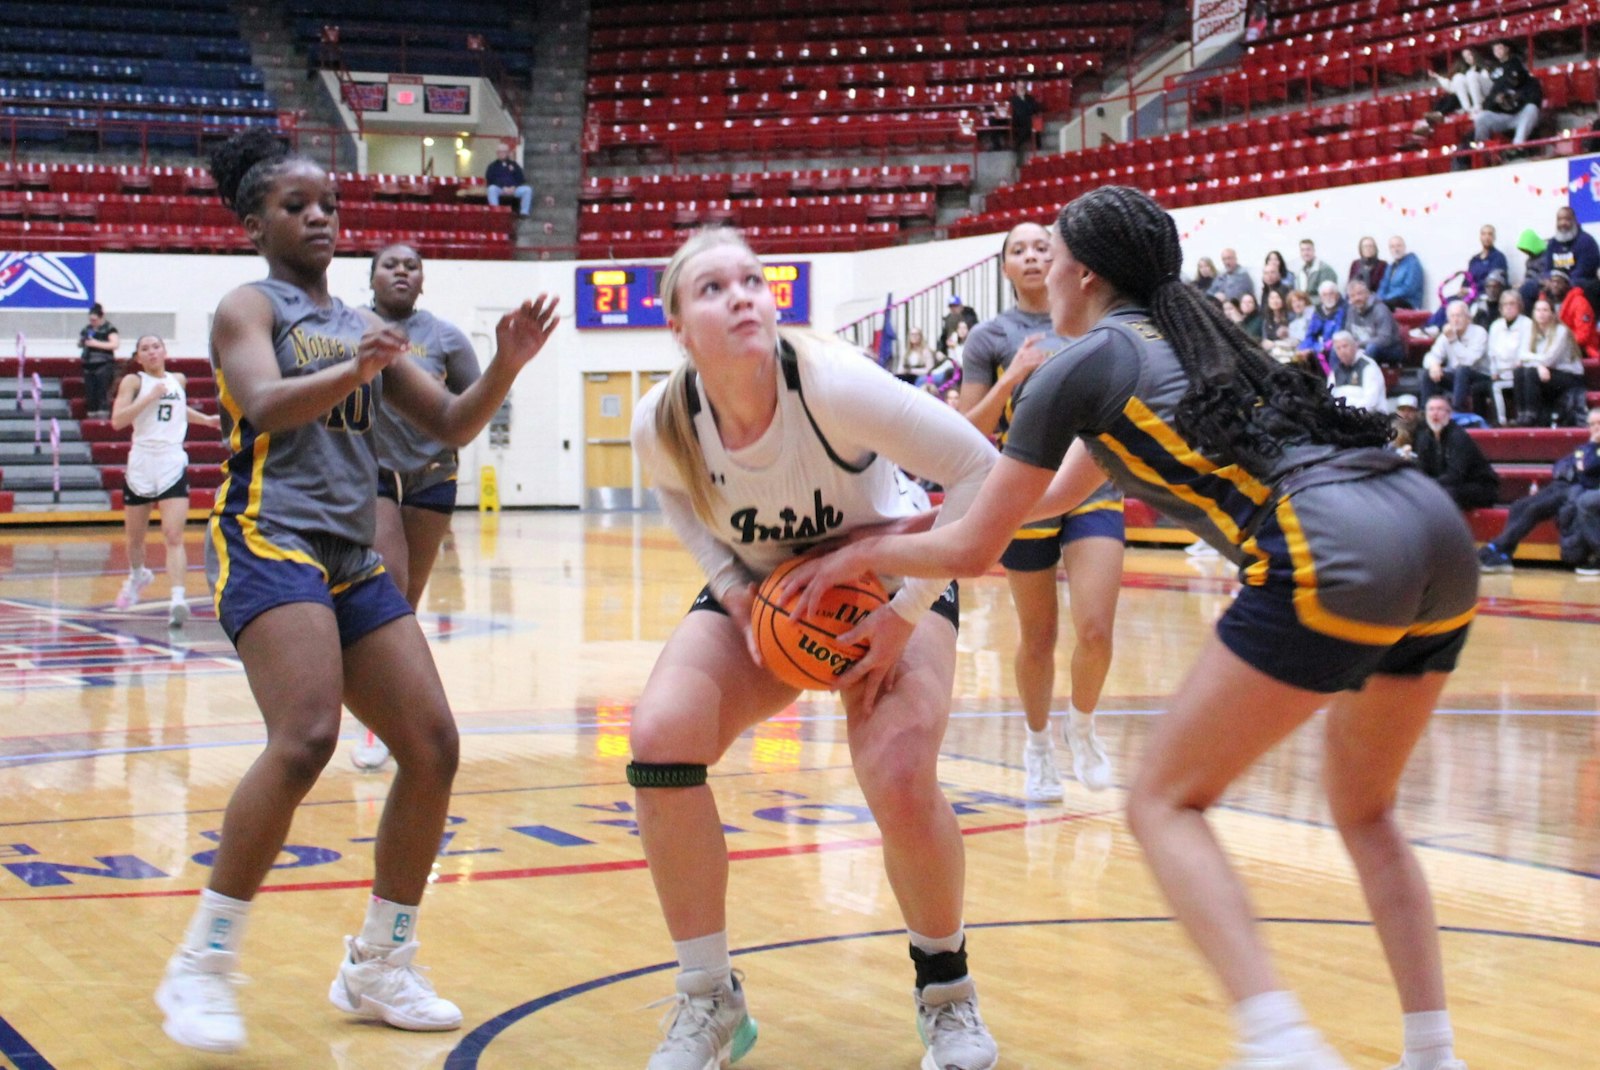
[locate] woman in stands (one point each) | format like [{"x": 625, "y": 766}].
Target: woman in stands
[
  {"x": 1367, "y": 618},
  {"x": 303, "y": 597},
  {"x": 1550, "y": 366},
  {"x": 154, "y": 402},
  {"x": 752, "y": 427},
  {"x": 1087, "y": 542},
  {"x": 416, "y": 475}
]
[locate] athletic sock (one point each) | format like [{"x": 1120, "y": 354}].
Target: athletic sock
[
  {"x": 1273, "y": 1024},
  {"x": 1081, "y": 722},
  {"x": 388, "y": 925},
  {"x": 1041, "y": 740},
  {"x": 218, "y": 923},
  {"x": 1430, "y": 1042},
  {"x": 708, "y": 953},
  {"x": 178, "y": 595}
]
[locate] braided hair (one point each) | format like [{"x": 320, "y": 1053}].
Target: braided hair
[
  {"x": 1241, "y": 405},
  {"x": 245, "y": 165}
]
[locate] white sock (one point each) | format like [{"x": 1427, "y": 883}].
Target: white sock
[
  {"x": 1430, "y": 1042},
  {"x": 218, "y": 923},
  {"x": 1082, "y": 723},
  {"x": 388, "y": 925},
  {"x": 708, "y": 953},
  {"x": 933, "y": 945},
  {"x": 1273, "y": 1024},
  {"x": 178, "y": 595},
  {"x": 1041, "y": 740}
]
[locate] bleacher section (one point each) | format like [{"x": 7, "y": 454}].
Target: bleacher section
[
  {"x": 723, "y": 79},
  {"x": 825, "y": 210},
  {"x": 413, "y": 36},
  {"x": 106, "y": 68},
  {"x": 89, "y": 208},
  {"x": 93, "y": 455}
]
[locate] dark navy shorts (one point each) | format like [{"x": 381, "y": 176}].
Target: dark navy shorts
[
  {"x": 180, "y": 489},
  {"x": 1038, "y": 546},
  {"x": 254, "y": 567},
  {"x": 432, "y": 488},
  {"x": 948, "y": 606},
  {"x": 1373, "y": 575}
]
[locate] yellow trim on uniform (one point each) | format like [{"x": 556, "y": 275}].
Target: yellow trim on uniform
[
  {"x": 341, "y": 588},
  {"x": 1037, "y": 533},
  {"x": 1308, "y": 605},
  {"x": 1223, "y": 522},
  {"x": 1151, "y": 424},
  {"x": 1442, "y": 627},
  {"x": 1095, "y": 507},
  {"x": 259, "y": 544}
]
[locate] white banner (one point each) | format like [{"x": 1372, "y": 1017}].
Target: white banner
[{"x": 1217, "y": 22}]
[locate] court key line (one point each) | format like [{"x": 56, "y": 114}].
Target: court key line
[{"x": 465, "y": 1055}]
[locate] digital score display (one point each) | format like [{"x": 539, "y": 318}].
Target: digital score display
[{"x": 626, "y": 296}]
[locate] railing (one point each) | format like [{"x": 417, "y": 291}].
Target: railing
[
  {"x": 981, "y": 287},
  {"x": 1132, "y": 64},
  {"x": 18, "y": 130},
  {"x": 330, "y": 55}
]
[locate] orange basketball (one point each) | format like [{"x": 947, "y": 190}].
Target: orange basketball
[{"x": 804, "y": 652}]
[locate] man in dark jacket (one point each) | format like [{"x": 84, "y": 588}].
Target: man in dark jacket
[
  {"x": 1513, "y": 100},
  {"x": 1447, "y": 453},
  {"x": 1574, "y": 479}
]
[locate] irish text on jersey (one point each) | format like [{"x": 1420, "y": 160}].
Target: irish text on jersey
[{"x": 823, "y": 519}]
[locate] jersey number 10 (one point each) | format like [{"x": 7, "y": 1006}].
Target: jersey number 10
[{"x": 354, "y": 413}]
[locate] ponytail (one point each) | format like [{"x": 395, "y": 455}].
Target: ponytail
[{"x": 675, "y": 431}]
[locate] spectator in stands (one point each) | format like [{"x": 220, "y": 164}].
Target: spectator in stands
[
  {"x": 1373, "y": 326},
  {"x": 1274, "y": 318},
  {"x": 1313, "y": 272},
  {"x": 958, "y": 313},
  {"x": 97, "y": 345},
  {"x": 1234, "y": 281},
  {"x": 1447, "y": 453},
  {"x": 918, "y": 359},
  {"x": 1273, "y": 279},
  {"x": 1573, "y": 307},
  {"x": 1549, "y": 368},
  {"x": 1025, "y": 131},
  {"x": 1458, "y": 363},
  {"x": 1573, "y": 250},
  {"x": 1569, "y": 498},
  {"x": 1457, "y": 287},
  {"x": 1300, "y": 313},
  {"x": 1276, "y": 261},
  {"x": 1466, "y": 88},
  {"x": 1407, "y": 422},
  {"x": 1508, "y": 338},
  {"x": 1402, "y": 282},
  {"x": 1205, "y": 274},
  {"x": 1487, "y": 259},
  {"x": 505, "y": 176},
  {"x": 1327, "y": 319},
  {"x": 1531, "y": 246},
  {"x": 1249, "y": 315},
  {"x": 1356, "y": 377},
  {"x": 1485, "y": 308},
  {"x": 1367, "y": 266},
  {"x": 1513, "y": 100}
]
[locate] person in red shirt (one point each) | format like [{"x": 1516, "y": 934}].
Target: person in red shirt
[{"x": 1576, "y": 312}]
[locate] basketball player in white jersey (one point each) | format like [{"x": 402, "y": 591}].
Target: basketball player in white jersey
[
  {"x": 154, "y": 402},
  {"x": 763, "y": 446}
]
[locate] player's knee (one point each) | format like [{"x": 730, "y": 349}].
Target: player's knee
[
  {"x": 1094, "y": 638},
  {"x": 303, "y": 758}
]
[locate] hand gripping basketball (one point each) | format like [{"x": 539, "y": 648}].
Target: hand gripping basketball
[{"x": 802, "y": 649}]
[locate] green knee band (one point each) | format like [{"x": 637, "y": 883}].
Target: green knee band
[{"x": 666, "y": 775}]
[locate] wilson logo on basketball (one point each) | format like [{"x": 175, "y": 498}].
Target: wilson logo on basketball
[
  {"x": 836, "y": 662},
  {"x": 823, "y": 519}
]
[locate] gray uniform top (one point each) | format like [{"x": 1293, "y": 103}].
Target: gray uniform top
[
  {"x": 445, "y": 353},
  {"x": 990, "y": 349},
  {"x": 318, "y": 477}
]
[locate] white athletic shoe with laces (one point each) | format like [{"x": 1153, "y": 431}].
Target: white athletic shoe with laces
[
  {"x": 197, "y": 997},
  {"x": 386, "y": 986},
  {"x": 950, "y": 1026},
  {"x": 133, "y": 587},
  {"x": 1090, "y": 764},
  {"x": 708, "y": 1027},
  {"x": 1043, "y": 783}
]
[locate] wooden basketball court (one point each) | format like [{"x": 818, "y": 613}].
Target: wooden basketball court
[{"x": 122, "y": 745}]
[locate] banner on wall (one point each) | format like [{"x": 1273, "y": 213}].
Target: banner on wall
[
  {"x": 1217, "y": 23},
  {"x": 46, "y": 280},
  {"x": 1583, "y": 188}
]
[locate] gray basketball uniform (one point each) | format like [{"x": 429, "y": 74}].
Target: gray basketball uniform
[{"x": 445, "y": 353}]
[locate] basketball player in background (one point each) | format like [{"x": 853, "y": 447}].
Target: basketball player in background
[
  {"x": 416, "y": 474},
  {"x": 1088, "y": 542},
  {"x": 304, "y": 599},
  {"x": 763, "y": 445},
  {"x": 1357, "y": 590},
  {"x": 155, "y": 403}
]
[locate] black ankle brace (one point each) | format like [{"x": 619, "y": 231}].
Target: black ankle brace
[{"x": 940, "y": 967}]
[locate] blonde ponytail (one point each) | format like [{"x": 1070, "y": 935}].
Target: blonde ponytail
[{"x": 675, "y": 432}]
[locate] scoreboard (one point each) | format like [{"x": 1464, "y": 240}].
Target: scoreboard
[{"x": 626, "y": 295}]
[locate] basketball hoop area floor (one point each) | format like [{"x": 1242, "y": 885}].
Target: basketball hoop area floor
[{"x": 121, "y": 744}]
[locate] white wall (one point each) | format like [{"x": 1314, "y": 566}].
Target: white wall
[{"x": 547, "y": 400}]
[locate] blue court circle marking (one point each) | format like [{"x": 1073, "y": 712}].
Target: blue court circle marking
[{"x": 465, "y": 1055}]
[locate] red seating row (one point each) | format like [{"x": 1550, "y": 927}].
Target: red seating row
[
  {"x": 903, "y": 132},
  {"x": 46, "y": 237},
  {"x": 677, "y": 187},
  {"x": 124, "y": 209},
  {"x": 63, "y": 368},
  {"x": 197, "y": 182},
  {"x": 802, "y": 103},
  {"x": 201, "y": 498},
  {"x": 645, "y": 24},
  {"x": 926, "y": 75},
  {"x": 209, "y": 476},
  {"x": 829, "y": 238},
  {"x": 1380, "y": 17},
  {"x": 757, "y": 211},
  {"x": 116, "y": 453}
]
